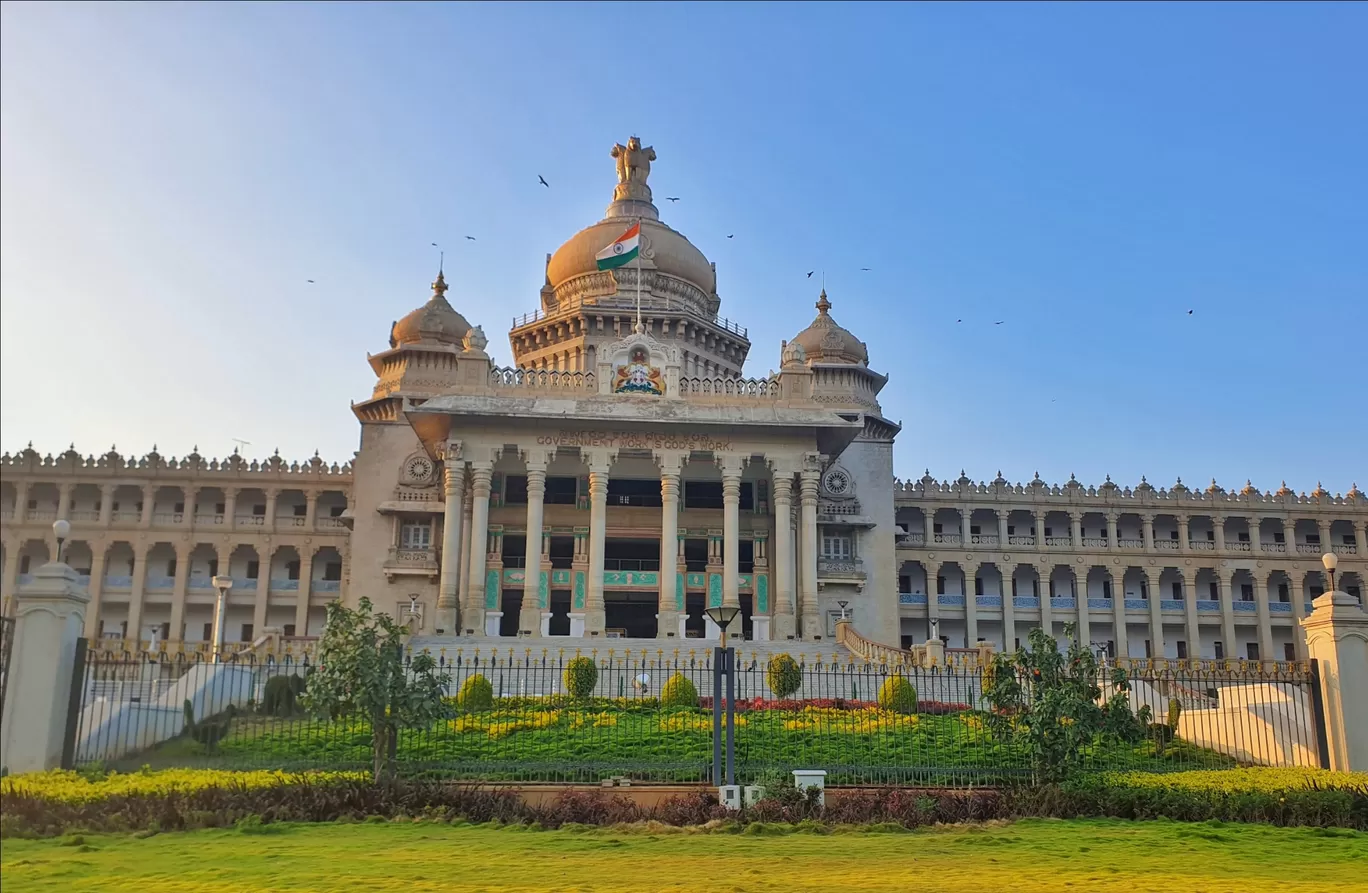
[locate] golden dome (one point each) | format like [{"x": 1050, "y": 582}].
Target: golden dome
[
  {"x": 434, "y": 321},
  {"x": 826, "y": 342},
  {"x": 662, "y": 249}
]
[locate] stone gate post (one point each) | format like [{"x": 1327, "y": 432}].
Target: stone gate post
[
  {"x": 1337, "y": 637},
  {"x": 49, "y": 617}
]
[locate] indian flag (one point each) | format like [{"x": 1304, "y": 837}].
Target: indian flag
[{"x": 622, "y": 251}]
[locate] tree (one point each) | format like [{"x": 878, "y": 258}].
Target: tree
[
  {"x": 361, "y": 671},
  {"x": 1054, "y": 701}
]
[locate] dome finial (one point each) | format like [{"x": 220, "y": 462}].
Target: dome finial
[
  {"x": 823, "y": 305},
  {"x": 439, "y": 288}
]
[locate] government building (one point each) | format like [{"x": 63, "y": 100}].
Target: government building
[{"x": 623, "y": 475}]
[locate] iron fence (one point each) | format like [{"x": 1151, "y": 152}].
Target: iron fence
[
  {"x": 6, "y": 647},
  {"x": 133, "y": 713}
]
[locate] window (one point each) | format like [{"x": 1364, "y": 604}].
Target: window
[
  {"x": 1010, "y": 530},
  {"x": 698, "y": 494},
  {"x": 1111, "y": 647},
  {"x": 259, "y": 510},
  {"x": 1211, "y": 536},
  {"x": 1106, "y": 589},
  {"x": 1313, "y": 539},
  {"x": 1177, "y": 590},
  {"x": 1220, "y": 650},
  {"x": 246, "y": 633},
  {"x": 292, "y": 570},
  {"x": 1049, "y": 531},
  {"x": 973, "y": 529},
  {"x": 1149, "y": 651},
  {"x": 515, "y": 489},
  {"x": 940, "y": 585},
  {"x": 1348, "y": 539},
  {"x": 639, "y": 492},
  {"x": 23, "y": 564},
  {"x": 1182, "y": 650},
  {"x": 300, "y": 510},
  {"x": 561, "y": 490},
  {"x": 1246, "y": 592},
  {"x": 904, "y": 583},
  {"x": 171, "y": 567},
  {"x": 1279, "y": 538},
  {"x": 1214, "y": 591},
  {"x": 415, "y": 535},
  {"x": 1289, "y": 651},
  {"x": 836, "y": 547},
  {"x": 178, "y": 508},
  {"x": 208, "y": 632},
  {"x": 1282, "y": 593},
  {"x": 335, "y": 511},
  {"x": 1173, "y": 534},
  {"x": 978, "y": 586},
  {"x": 1354, "y": 591},
  {"x": 1317, "y": 592},
  {"x": 332, "y": 571},
  {"x": 219, "y": 507},
  {"x": 1242, "y": 537},
  {"x": 253, "y": 570},
  {"x": 1252, "y": 650},
  {"x": 33, "y": 504},
  {"x": 936, "y": 528},
  {"x": 213, "y": 567},
  {"x": 289, "y": 630}
]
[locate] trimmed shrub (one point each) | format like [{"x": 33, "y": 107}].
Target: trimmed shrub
[
  {"x": 783, "y": 675},
  {"x": 580, "y": 677},
  {"x": 1175, "y": 712},
  {"x": 898, "y": 695},
  {"x": 679, "y": 692},
  {"x": 476, "y": 694},
  {"x": 281, "y": 695}
]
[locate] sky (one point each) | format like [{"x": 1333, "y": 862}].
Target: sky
[{"x": 1086, "y": 175}]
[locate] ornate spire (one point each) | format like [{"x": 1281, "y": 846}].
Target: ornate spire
[
  {"x": 1319, "y": 492},
  {"x": 439, "y": 288},
  {"x": 1285, "y": 490},
  {"x": 823, "y": 305}
]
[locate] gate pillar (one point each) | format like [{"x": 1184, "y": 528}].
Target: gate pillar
[{"x": 1337, "y": 638}]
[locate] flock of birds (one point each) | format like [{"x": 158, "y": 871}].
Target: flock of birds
[{"x": 674, "y": 198}]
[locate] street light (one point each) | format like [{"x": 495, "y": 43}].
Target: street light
[
  {"x": 723, "y": 615},
  {"x": 221, "y": 584},
  {"x": 61, "y": 529},
  {"x": 842, "y": 603},
  {"x": 1331, "y": 561}
]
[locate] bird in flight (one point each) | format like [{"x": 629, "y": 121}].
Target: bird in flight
[
  {"x": 1189, "y": 313},
  {"x": 810, "y": 272},
  {"x": 730, "y": 236},
  {"x": 959, "y": 320},
  {"x": 864, "y": 269},
  {"x": 671, "y": 198},
  {"x": 310, "y": 281},
  {"x": 542, "y": 180},
  {"x": 999, "y": 322},
  {"x": 471, "y": 238}
]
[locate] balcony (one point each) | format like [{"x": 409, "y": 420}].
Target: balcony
[
  {"x": 949, "y": 539},
  {"x": 330, "y": 524},
  {"x": 846, "y": 569},
  {"x": 984, "y": 539},
  {"x": 1344, "y": 549},
  {"x": 326, "y": 585},
  {"x": 1280, "y": 548},
  {"x": 126, "y": 517},
  {"x": 1308, "y": 549},
  {"x": 1095, "y": 542},
  {"x": 406, "y": 562},
  {"x": 249, "y": 521},
  {"x": 41, "y": 515},
  {"x": 1166, "y": 545},
  {"x": 1058, "y": 542},
  {"x": 208, "y": 518},
  {"x": 167, "y": 519},
  {"x": 1021, "y": 541},
  {"x": 911, "y": 539},
  {"x": 87, "y": 517},
  {"x": 1131, "y": 544},
  {"x": 1202, "y": 545},
  {"x": 1239, "y": 546}
]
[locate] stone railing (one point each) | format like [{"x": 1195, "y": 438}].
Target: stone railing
[
  {"x": 71, "y": 461},
  {"x": 542, "y": 379},
  {"x": 931, "y": 654},
  {"x": 729, "y": 387},
  {"x": 1178, "y": 499}
]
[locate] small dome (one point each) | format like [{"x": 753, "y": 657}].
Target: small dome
[
  {"x": 826, "y": 342},
  {"x": 434, "y": 321}
]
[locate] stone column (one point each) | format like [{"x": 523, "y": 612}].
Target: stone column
[
  {"x": 966, "y": 521},
  {"x": 929, "y": 523},
  {"x": 179, "y": 590},
  {"x": 1290, "y": 541},
  {"x": 1047, "y": 609},
  {"x": 1002, "y": 517},
  {"x": 49, "y": 616},
  {"x": 1184, "y": 535},
  {"x": 21, "y": 504},
  {"x": 463, "y": 578},
  {"x": 263, "y": 592},
  {"x": 671, "y": 601},
  {"x": 1224, "y": 578},
  {"x": 971, "y": 604},
  {"x": 1076, "y": 528},
  {"x": 1147, "y": 522},
  {"x": 1120, "y": 631},
  {"x": 448, "y": 587},
  {"x": 932, "y": 569},
  {"x": 148, "y": 503},
  {"x": 272, "y": 495},
  {"x": 63, "y": 503},
  {"x": 481, "y": 477},
  {"x": 135, "y": 592},
  {"x": 731, "y": 529},
  {"x": 106, "y": 505},
  {"x": 310, "y": 511},
  {"x": 305, "y": 593},
  {"x": 230, "y": 495},
  {"x": 1194, "y": 630},
  {"x": 1156, "y": 612},
  {"x": 1008, "y": 609},
  {"x": 1218, "y": 522},
  {"x": 1265, "y": 622},
  {"x": 1361, "y": 540},
  {"x": 1113, "y": 532},
  {"x": 1323, "y": 527},
  {"x": 1296, "y": 590},
  {"x": 1081, "y": 605},
  {"x": 1337, "y": 637},
  {"x": 97, "y": 572},
  {"x": 1040, "y": 530},
  {"x": 529, "y": 616},
  {"x": 595, "y": 619},
  {"x": 811, "y": 623},
  {"x": 191, "y": 497},
  {"x": 784, "y": 626}
]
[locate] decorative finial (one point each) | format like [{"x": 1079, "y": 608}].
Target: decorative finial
[
  {"x": 1109, "y": 479},
  {"x": 439, "y": 288},
  {"x": 277, "y": 451},
  {"x": 73, "y": 446},
  {"x": 823, "y": 305},
  {"x": 1142, "y": 479}
]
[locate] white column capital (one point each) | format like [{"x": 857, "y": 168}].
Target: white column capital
[
  {"x": 450, "y": 451},
  {"x": 537, "y": 459},
  {"x": 731, "y": 464},
  {"x": 600, "y": 461},
  {"x": 671, "y": 462}
]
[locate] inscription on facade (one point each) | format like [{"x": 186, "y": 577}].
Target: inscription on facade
[{"x": 635, "y": 440}]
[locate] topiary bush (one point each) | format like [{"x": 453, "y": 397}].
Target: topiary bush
[
  {"x": 281, "y": 695},
  {"x": 580, "y": 677},
  {"x": 679, "y": 692},
  {"x": 898, "y": 695},
  {"x": 476, "y": 694},
  {"x": 783, "y": 675}
]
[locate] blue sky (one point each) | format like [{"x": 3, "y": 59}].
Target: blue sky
[{"x": 173, "y": 174}]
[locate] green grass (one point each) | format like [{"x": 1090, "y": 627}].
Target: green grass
[
  {"x": 1100, "y": 855},
  {"x": 527, "y": 743}
]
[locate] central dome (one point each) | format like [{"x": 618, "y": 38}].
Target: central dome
[{"x": 662, "y": 249}]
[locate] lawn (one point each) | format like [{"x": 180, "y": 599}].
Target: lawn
[
  {"x": 1038, "y": 855},
  {"x": 520, "y": 740}
]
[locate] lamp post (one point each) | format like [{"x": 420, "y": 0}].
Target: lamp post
[
  {"x": 61, "y": 529},
  {"x": 724, "y": 664},
  {"x": 1331, "y": 561},
  {"x": 221, "y": 585},
  {"x": 842, "y": 603},
  {"x": 935, "y": 628}
]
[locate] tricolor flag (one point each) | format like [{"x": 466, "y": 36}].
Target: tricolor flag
[{"x": 622, "y": 251}]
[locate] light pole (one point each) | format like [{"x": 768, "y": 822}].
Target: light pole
[
  {"x": 221, "y": 584},
  {"x": 724, "y": 664},
  {"x": 1331, "y": 561},
  {"x": 61, "y": 529}
]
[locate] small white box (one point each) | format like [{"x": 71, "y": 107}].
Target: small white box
[
  {"x": 811, "y": 778},
  {"x": 752, "y": 794},
  {"x": 730, "y": 796}
]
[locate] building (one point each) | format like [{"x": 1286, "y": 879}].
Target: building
[{"x": 622, "y": 476}]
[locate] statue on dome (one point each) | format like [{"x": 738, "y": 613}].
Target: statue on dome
[{"x": 633, "y": 167}]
